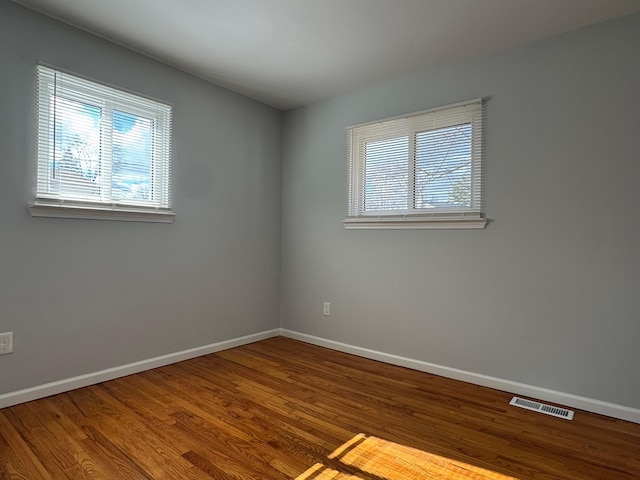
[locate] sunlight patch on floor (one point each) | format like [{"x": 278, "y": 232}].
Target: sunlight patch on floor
[
  {"x": 392, "y": 461},
  {"x": 320, "y": 472}
]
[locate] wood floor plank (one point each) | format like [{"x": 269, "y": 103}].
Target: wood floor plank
[
  {"x": 116, "y": 463},
  {"x": 18, "y": 459},
  {"x": 273, "y": 409},
  {"x": 79, "y": 464}
]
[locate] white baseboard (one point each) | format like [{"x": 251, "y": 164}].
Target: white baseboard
[
  {"x": 590, "y": 405},
  {"x": 53, "y": 388},
  {"x": 561, "y": 398}
]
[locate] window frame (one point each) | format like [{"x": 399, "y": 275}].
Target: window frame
[
  {"x": 410, "y": 125},
  {"x": 54, "y": 84}
]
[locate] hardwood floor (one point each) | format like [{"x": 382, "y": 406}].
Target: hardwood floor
[{"x": 272, "y": 409}]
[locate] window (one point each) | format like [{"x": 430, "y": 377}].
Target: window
[
  {"x": 102, "y": 153},
  {"x": 421, "y": 170}
]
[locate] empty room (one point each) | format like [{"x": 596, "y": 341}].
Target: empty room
[{"x": 319, "y": 239}]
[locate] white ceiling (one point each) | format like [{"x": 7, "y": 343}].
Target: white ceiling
[{"x": 288, "y": 53}]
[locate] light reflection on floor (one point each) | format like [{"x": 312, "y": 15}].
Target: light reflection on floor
[{"x": 387, "y": 460}]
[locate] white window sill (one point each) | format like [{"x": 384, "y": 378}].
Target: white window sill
[
  {"x": 126, "y": 214},
  {"x": 366, "y": 223}
]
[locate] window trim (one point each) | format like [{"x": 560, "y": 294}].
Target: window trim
[
  {"x": 63, "y": 84},
  {"x": 413, "y": 223},
  {"x": 413, "y": 218},
  {"x": 98, "y": 212}
]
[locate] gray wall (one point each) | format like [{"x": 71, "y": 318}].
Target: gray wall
[
  {"x": 84, "y": 295},
  {"x": 549, "y": 293}
]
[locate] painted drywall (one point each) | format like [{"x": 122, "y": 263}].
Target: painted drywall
[
  {"x": 546, "y": 295},
  {"x": 85, "y": 295}
]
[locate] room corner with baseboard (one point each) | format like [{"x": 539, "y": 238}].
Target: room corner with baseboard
[{"x": 542, "y": 295}]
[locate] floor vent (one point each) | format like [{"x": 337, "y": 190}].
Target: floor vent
[{"x": 542, "y": 408}]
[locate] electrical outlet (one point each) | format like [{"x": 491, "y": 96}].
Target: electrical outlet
[
  {"x": 6, "y": 343},
  {"x": 326, "y": 309}
]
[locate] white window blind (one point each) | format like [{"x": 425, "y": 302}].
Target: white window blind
[
  {"x": 420, "y": 170},
  {"x": 101, "y": 149}
]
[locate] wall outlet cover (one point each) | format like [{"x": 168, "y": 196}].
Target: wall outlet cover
[{"x": 6, "y": 342}]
